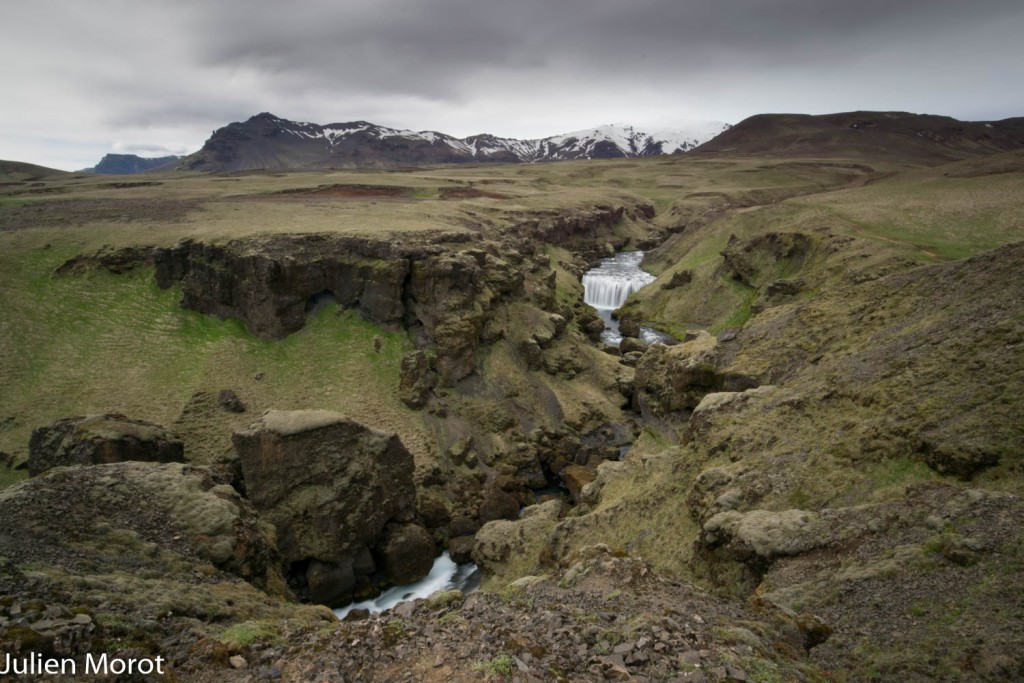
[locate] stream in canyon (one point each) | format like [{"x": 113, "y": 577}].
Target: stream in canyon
[
  {"x": 444, "y": 575},
  {"x": 606, "y": 288}
]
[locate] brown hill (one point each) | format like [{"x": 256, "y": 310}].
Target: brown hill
[
  {"x": 15, "y": 171},
  {"x": 912, "y": 138}
]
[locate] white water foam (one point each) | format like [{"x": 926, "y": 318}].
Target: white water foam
[{"x": 444, "y": 575}]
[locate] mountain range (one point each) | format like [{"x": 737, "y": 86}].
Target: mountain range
[{"x": 266, "y": 141}]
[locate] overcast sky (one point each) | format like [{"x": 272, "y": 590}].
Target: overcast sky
[{"x": 82, "y": 78}]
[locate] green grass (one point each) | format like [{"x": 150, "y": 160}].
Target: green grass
[
  {"x": 899, "y": 472},
  {"x": 10, "y": 477},
  {"x": 248, "y": 632},
  {"x": 116, "y": 343},
  {"x": 500, "y": 665},
  {"x": 951, "y": 217},
  {"x": 741, "y": 313}
]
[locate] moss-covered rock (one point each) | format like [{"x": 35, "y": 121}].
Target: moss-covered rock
[
  {"x": 330, "y": 485},
  {"x": 98, "y": 439}
]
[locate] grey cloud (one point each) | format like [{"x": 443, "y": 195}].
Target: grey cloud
[
  {"x": 435, "y": 48},
  {"x": 127, "y": 70}
]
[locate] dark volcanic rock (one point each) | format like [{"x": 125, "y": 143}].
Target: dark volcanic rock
[
  {"x": 406, "y": 552},
  {"x": 98, "y": 439},
  {"x": 460, "y": 549},
  {"x": 575, "y": 478},
  {"x": 229, "y": 401},
  {"x": 498, "y": 504},
  {"x": 331, "y": 486},
  {"x": 417, "y": 379},
  {"x": 591, "y": 324}
]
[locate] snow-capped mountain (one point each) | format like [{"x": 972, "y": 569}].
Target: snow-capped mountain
[
  {"x": 267, "y": 141},
  {"x": 611, "y": 141}
]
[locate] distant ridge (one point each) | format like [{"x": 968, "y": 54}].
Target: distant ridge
[
  {"x": 125, "y": 164},
  {"x": 19, "y": 171},
  {"x": 920, "y": 138},
  {"x": 266, "y": 141}
]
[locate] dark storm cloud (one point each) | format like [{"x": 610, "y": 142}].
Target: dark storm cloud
[{"x": 436, "y": 49}]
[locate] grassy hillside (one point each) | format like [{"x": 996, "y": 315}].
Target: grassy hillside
[{"x": 19, "y": 172}]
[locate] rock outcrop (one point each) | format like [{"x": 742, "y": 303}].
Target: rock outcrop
[
  {"x": 271, "y": 283},
  {"x": 99, "y": 439},
  {"x": 417, "y": 379},
  {"x": 139, "y": 510},
  {"x": 335, "y": 490},
  {"x": 267, "y": 282},
  {"x": 675, "y": 378}
]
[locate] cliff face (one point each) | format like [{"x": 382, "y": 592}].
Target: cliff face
[
  {"x": 442, "y": 290},
  {"x": 270, "y": 284},
  {"x": 267, "y": 283}
]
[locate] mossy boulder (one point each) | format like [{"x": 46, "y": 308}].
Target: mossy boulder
[
  {"x": 504, "y": 547},
  {"x": 100, "y": 439},
  {"x": 670, "y": 379},
  {"x": 331, "y": 486}
]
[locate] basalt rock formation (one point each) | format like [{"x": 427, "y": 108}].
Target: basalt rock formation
[
  {"x": 271, "y": 283},
  {"x": 267, "y": 282}
]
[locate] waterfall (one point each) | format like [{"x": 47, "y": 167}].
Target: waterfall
[{"x": 607, "y": 286}]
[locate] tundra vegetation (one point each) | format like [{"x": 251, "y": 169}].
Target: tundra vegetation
[{"x": 823, "y": 477}]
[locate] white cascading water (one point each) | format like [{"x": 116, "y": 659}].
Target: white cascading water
[
  {"x": 444, "y": 575},
  {"x": 607, "y": 287}
]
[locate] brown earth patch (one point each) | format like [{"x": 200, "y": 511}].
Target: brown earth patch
[
  {"x": 336, "y": 192},
  {"x": 83, "y": 211},
  {"x": 470, "y": 193}
]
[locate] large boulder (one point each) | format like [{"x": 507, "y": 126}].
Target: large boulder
[
  {"x": 332, "y": 486},
  {"x": 671, "y": 379},
  {"x": 407, "y": 553},
  {"x": 100, "y": 439},
  {"x": 498, "y": 504},
  {"x": 506, "y": 548}
]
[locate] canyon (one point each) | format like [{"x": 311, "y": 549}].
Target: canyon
[{"x": 798, "y": 458}]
